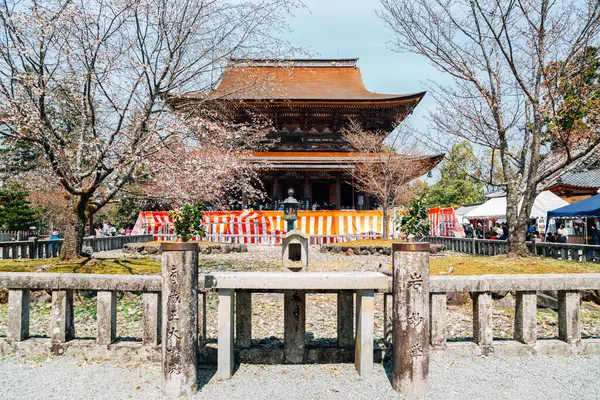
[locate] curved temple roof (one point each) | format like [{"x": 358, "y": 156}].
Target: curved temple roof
[{"x": 296, "y": 79}]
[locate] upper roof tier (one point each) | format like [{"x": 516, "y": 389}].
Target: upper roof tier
[{"x": 330, "y": 80}]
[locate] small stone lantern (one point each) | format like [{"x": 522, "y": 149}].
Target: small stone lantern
[
  {"x": 294, "y": 251},
  {"x": 290, "y": 210}
]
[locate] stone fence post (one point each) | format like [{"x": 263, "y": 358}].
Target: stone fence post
[
  {"x": 410, "y": 369},
  {"x": 180, "y": 318}
]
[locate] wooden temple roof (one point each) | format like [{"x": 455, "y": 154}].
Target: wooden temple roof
[
  {"x": 330, "y": 160},
  {"x": 297, "y": 80}
]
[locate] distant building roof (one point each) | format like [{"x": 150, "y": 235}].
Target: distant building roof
[
  {"x": 465, "y": 209},
  {"x": 296, "y": 79},
  {"x": 585, "y": 178}
]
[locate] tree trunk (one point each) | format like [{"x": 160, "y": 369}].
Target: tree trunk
[
  {"x": 384, "y": 234},
  {"x": 516, "y": 240},
  {"x": 74, "y": 231},
  {"x": 517, "y": 223},
  {"x": 73, "y": 241}
]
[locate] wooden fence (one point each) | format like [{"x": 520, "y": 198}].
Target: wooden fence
[
  {"x": 35, "y": 248},
  {"x": 484, "y": 247}
]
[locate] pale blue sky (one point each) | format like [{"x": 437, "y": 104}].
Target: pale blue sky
[{"x": 350, "y": 28}]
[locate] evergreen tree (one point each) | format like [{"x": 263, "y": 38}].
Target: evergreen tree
[
  {"x": 16, "y": 213},
  {"x": 458, "y": 182}
]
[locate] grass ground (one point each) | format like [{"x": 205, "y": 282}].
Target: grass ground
[
  {"x": 439, "y": 265},
  {"x": 127, "y": 266},
  {"x": 481, "y": 265}
]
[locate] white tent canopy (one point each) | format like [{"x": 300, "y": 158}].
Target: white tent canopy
[
  {"x": 544, "y": 202},
  {"x": 495, "y": 208}
]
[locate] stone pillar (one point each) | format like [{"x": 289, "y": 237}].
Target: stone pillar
[
  {"x": 152, "y": 318},
  {"x": 226, "y": 360},
  {"x": 18, "y": 314},
  {"x": 63, "y": 326},
  {"x": 294, "y": 314},
  {"x": 410, "y": 371},
  {"x": 345, "y": 319},
  {"x": 526, "y": 317},
  {"x": 106, "y": 317},
  {"x": 387, "y": 320},
  {"x": 201, "y": 319},
  {"x": 179, "y": 334},
  {"x": 363, "y": 347},
  {"x": 569, "y": 329},
  {"x": 243, "y": 319},
  {"x": 437, "y": 308},
  {"x": 482, "y": 320}
]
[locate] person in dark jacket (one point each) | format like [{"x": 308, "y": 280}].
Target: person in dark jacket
[
  {"x": 595, "y": 235},
  {"x": 469, "y": 230}
]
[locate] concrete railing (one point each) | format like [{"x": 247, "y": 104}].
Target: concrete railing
[
  {"x": 480, "y": 288},
  {"x": 524, "y": 340},
  {"x": 34, "y": 248},
  {"x": 62, "y": 330},
  {"x": 566, "y": 251},
  {"x": 114, "y": 242},
  {"x": 481, "y": 247},
  {"x": 484, "y": 247}
]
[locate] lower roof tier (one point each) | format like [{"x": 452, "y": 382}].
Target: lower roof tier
[{"x": 335, "y": 161}]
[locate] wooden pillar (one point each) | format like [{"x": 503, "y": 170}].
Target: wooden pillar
[
  {"x": 276, "y": 190},
  {"x": 307, "y": 190},
  {"x": 410, "y": 371},
  {"x": 338, "y": 192},
  {"x": 244, "y": 199}
]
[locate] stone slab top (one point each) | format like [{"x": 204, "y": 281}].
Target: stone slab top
[
  {"x": 47, "y": 280},
  {"x": 297, "y": 280},
  {"x": 522, "y": 282}
]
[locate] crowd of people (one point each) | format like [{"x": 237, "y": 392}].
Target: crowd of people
[
  {"x": 499, "y": 231},
  {"x": 109, "y": 229}
]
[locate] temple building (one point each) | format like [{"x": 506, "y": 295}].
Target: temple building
[{"x": 307, "y": 102}]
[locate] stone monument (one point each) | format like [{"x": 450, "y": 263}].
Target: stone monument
[{"x": 294, "y": 250}]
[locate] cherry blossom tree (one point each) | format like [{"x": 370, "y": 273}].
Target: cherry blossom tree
[
  {"x": 508, "y": 61},
  {"x": 212, "y": 165},
  {"x": 387, "y": 164},
  {"x": 85, "y": 82}
]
